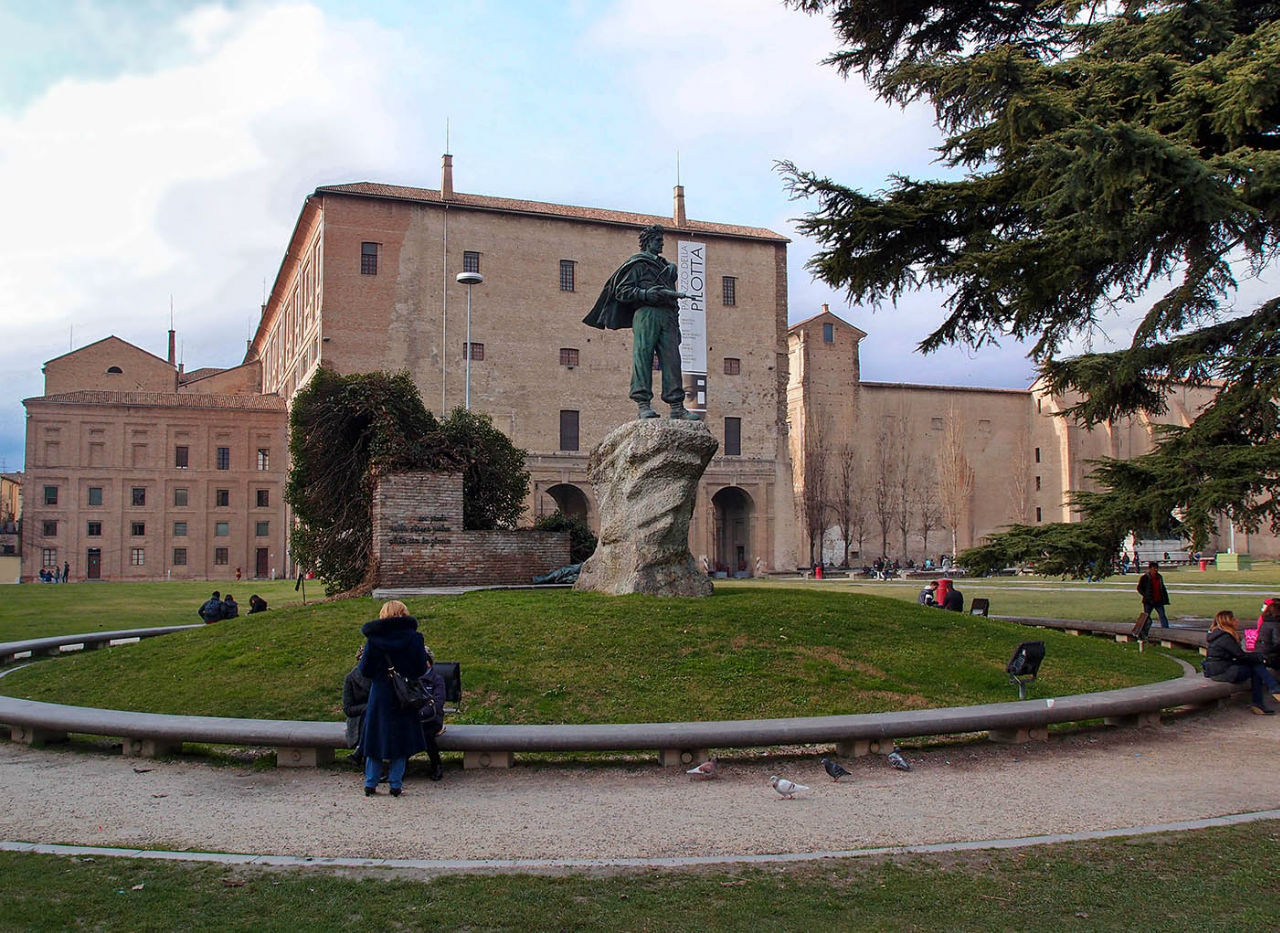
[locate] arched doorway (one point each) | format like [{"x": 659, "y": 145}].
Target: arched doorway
[
  {"x": 568, "y": 498},
  {"x": 734, "y": 510}
]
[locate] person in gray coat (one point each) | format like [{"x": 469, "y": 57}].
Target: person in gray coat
[{"x": 355, "y": 698}]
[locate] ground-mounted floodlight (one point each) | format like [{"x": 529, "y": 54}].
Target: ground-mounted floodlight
[{"x": 468, "y": 279}]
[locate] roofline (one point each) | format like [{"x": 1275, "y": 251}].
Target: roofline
[
  {"x": 104, "y": 340},
  {"x": 828, "y": 313},
  {"x": 940, "y": 388},
  {"x": 274, "y": 299},
  {"x": 157, "y": 400}
]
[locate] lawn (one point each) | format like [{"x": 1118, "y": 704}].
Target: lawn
[
  {"x": 562, "y": 656},
  {"x": 1221, "y": 878}
]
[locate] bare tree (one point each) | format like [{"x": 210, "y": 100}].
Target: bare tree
[
  {"x": 955, "y": 475},
  {"x": 1020, "y": 482},
  {"x": 928, "y": 508},
  {"x": 814, "y": 503},
  {"x": 850, "y": 501},
  {"x": 886, "y": 465}
]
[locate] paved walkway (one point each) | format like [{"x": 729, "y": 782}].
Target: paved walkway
[{"x": 637, "y": 813}]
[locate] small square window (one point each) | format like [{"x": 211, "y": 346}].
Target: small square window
[
  {"x": 220, "y": 555},
  {"x": 262, "y": 529},
  {"x": 139, "y": 495},
  {"x": 566, "y": 275},
  {"x": 180, "y": 497},
  {"x": 224, "y": 458},
  {"x": 733, "y": 437},
  {"x": 828, "y": 333},
  {"x": 264, "y": 498},
  {"x": 179, "y": 557},
  {"x": 368, "y": 258},
  {"x": 568, "y": 356},
  {"x": 264, "y": 458},
  {"x": 94, "y": 530},
  {"x": 50, "y": 529},
  {"x": 729, "y": 290},
  {"x": 222, "y": 529},
  {"x": 568, "y": 430},
  {"x": 477, "y": 351},
  {"x": 470, "y": 261},
  {"x": 51, "y": 495},
  {"x": 137, "y": 529},
  {"x": 182, "y": 457},
  {"x": 48, "y": 557},
  {"x": 179, "y": 529},
  {"x": 137, "y": 556},
  {"x": 732, "y": 366},
  {"x": 95, "y": 495},
  {"x": 222, "y": 498}
]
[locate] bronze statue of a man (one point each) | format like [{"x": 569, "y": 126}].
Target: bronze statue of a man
[{"x": 641, "y": 295}]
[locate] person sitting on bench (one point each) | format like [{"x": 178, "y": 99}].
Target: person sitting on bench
[{"x": 1228, "y": 662}]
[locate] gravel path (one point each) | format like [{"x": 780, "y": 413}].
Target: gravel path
[{"x": 1197, "y": 766}]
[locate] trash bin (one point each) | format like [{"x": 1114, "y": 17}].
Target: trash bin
[
  {"x": 1204, "y": 565},
  {"x": 817, "y": 571}
]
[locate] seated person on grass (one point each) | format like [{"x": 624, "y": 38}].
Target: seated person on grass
[{"x": 211, "y": 610}]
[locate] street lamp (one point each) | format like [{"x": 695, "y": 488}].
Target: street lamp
[{"x": 468, "y": 279}]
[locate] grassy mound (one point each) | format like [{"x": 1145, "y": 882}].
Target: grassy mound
[{"x": 561, "y": 656}]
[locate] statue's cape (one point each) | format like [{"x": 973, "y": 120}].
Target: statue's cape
[{"x": 608, "y": 311}]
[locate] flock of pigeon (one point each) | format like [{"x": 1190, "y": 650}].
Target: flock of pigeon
[{"x": 787, "y": 789}]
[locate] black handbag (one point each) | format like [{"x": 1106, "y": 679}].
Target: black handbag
[{"x": 411, "y": 695}]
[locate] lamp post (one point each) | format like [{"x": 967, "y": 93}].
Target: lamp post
[{"x": 468, "y": 279}]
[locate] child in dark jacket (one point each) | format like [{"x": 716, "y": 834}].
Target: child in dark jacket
[
  {"x": 433, "y": 715},
  {"x": 1228, "y": 662}
]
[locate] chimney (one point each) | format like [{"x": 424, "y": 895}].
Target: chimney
[
  {"x": 825, "y": 309},
  {"x": 173, "y": 347},
  {"x": 678, "y": 215},
  {"x": 446, "y": 177}
]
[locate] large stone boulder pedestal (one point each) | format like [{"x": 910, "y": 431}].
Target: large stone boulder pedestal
[{"x": 646, "y": 476}]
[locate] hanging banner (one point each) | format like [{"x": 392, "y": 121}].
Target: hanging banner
[{"x": 691, "y": 264}]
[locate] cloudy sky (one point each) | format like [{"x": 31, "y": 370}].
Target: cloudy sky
[{"x": 158, "y": 148}]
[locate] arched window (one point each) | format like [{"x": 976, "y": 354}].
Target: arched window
[{"x": 114, "y": 369}]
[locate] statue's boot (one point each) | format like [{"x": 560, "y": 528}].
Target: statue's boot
[
  {"x": 680, "y": 413},
  {"x": 646, "y": 411}
]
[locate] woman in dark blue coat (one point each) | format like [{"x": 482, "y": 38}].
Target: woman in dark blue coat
[{"x": 390, "y": 733}]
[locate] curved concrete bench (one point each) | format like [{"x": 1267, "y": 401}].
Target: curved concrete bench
[
  {"x": 1166, "y": 637},
  {"x": 11, "y": 650},
  {"x": 309, "y": 743}
]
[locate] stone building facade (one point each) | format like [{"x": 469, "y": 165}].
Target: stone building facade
[
  {"x": 1025, "y": 458},
  {"x": 136, "y": 470}
]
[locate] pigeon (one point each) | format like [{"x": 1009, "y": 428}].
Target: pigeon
[
  {"x": 896, "y": 759},
  {"x": 706, "y": 771},
  {"x": 786, "y": 789},
  {"x": 834, "y": 769}
]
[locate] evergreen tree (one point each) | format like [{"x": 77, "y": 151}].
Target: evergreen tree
[{"x": 1099, "y": 153}]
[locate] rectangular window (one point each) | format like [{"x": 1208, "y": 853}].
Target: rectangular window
[
  {"x": 137, "y": 556},
  {"x": 137, "y": 529},
  {"x": 179, "y": 529},
  {"x": 470, "y": 261},
  {"x": 179, "y": 557},
  {"x": 1037, "y": 455},
  {"x": 264, "y": 458},
  {"x": 222, "y": 529},
  {"x": 94, "y": 530},
  {"x": 224, "y": 458},
  {"x": 828, "y": 333},
  {"x": 180, "y": 497},
  {"x": 264, "y": 498},
  {"x": 51, "y": 495},
  {"x": 1037, "y": 484},
  {"x": 182, "y": 457},
  {"x": 139, "y": 495},
  {"x": 368, "y": 258},
  {"x": 48, "y": 557},
  {"x": 1039, "y": 515},
  {"x": 222, "y": 498},
  {"x": 220, "y": 555},
  {"x": 477, "y": 351},
  {"x": 732, "y": 366},
  {"x": 568, "y": 430},
  {"x": 729, "y": 290},
  {"x": 95, "y": 495},
  {"x": 262, "y": 529},
  {"x": 50, "y": 529},
  {"x": 568, "y": 356},
  {"x": 566, "y": 275},
  {"x": 733, "y": 437}
]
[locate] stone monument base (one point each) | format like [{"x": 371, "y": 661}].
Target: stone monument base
[{"x": 646, "y": 475}]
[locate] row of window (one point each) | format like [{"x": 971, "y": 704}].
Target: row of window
[
  {"x": 568, "y": 271},
  {"x": 181, "y": 496},
  {"x": 139, "y": 529},
  {"x": 569, "y": 356},
  {"x": 138, "y": 556},
  {"x": 222, "y": 457},
  {"x": 569, "y": 420}
]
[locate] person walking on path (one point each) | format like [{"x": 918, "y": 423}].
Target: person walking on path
[
  {"x": 1155, "y": 595},
  {"x": 390, "y": 733},
  {"x": 1228, "y": 662}
]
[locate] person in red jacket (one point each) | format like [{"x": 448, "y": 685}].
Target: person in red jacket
[{"x": 1155, "y": 595}]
